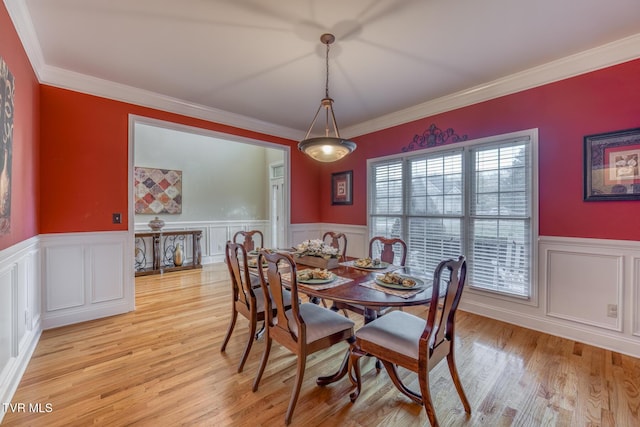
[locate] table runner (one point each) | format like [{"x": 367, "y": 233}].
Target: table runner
[
  {"x": 391, "y": 267},
  {"x": 398, "y": 293},
  {"x": 338, "y": 282}
]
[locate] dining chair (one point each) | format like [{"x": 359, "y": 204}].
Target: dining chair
[
  {"x": 337, "y": 240},
  {"x": 387, "y": 249},
  {"x": 416, "y": 344},
  {"x": 247, "y": 300},
  {"x": 303, "y": 329},
  {"x": 251, "y": 240}
]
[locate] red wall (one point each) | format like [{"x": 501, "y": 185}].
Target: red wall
[
  {"x": 85, "y": 167},
  {"x": 70, "y": 152},
  {"x": 564, "y": 112},
  {"x": 25, "y": 167}
]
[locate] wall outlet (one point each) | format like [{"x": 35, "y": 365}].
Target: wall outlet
[
  {"x": 116, "y": 218},
  {"x": 612, "y": 310}
]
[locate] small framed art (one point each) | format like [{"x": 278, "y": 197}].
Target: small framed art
[
  {"x": 342, "y": 188},
  {"x": 611, "y": 166}
]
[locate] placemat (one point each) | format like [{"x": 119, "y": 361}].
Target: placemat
[
  {"x": 338, "y": 282},
  {"x": 402, "y": 294},
  {"x": 391, "y": 267}
]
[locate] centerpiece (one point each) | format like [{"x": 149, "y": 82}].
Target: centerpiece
[{"x": 316, "y": 253}]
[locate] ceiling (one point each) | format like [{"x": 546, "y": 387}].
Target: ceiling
[{"x": 260, "y": 64}]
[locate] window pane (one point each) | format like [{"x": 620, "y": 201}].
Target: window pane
[
  {"x": 499, "y": 255},
  {"x": 431, "y": 240}
]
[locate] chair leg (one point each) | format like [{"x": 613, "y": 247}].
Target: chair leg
[
  {"x": 302, "y": 361},
  {"x": 263, "y": 362},
  {"x": 232, "y": 324},
  {"x": 456, "y": 381},
  {"x": 426, "y": 399},
  {"x": 354, "y": 372},
  {"x": 261, "y": 331},
  {"x": 247, "y": 348},
  {"x": 393, "y": 374}
]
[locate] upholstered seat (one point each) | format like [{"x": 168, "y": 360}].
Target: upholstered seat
[
  {"x": 397, "y": 331},
  {"x": 319, "y": 322},
  {"x": 402, "y": 339}
]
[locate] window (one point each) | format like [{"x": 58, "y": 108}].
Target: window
[{"x": 475, "y": 199}]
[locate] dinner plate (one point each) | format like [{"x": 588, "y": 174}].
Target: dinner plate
[
  {"x": 419, "y": 284},
  {"x": 380, "y": 266},
  {"x": 318, "y": 281}
]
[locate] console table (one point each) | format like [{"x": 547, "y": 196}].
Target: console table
[{"x": 154, "y": 251}]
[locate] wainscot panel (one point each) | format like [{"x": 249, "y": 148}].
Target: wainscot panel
[
  {"x": 588, "y": 292},
  {"x": 86, "y": 276},
  {"x": 19, "y": 313}
]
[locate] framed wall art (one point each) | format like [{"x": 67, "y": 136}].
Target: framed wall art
[
  {"x": 157, "y": 191},
  {"x": 342, "y": 188},
  {"x": 611, "y": 166}
]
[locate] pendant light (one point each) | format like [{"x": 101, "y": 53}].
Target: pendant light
[{"x": 326, "y": 148}]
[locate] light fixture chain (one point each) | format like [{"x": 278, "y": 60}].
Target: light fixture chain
[{"x": 326, "y": 87}]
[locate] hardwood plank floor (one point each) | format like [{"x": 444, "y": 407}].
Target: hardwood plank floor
[{"x": 161, "y": 366}]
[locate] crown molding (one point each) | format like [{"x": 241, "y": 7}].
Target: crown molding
[
  {"x": 65, "y": 79},
  {"x": 600, "y": 57},
  {"x": 613, "y": 53}
]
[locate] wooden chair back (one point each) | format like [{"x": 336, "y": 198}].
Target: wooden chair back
[
  {"x": 437, "y": 339},
  {"x": 389, "y": 249},
  {"x": 236, "y": 259},
  {"x": 244, "y": 296},
  {"x": 337, "y": 240},
  {"x": 251, "y": 240},
  {"x": 303, "y": 330},
  {"x": 279, "y": 329}
]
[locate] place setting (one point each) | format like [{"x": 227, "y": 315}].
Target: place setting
[
  {"x": 400, "y": 285},
  {"x": 371, "y": 264},
  {"x": 317, "y": 278}
]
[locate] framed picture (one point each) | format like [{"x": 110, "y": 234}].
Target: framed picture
[
  {"x": 611, "y": 166},
  {"x": 342, "y": 188}
]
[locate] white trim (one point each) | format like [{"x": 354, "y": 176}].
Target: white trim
[
  {"x": 613, "y": 53},
  {"x": 599, "y": 57}
]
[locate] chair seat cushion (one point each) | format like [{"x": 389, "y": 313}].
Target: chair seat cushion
[
  {"x": 260, "y": 305},
  {"x": 398, "y": 331},
  {"x": 321, "y": 322}
]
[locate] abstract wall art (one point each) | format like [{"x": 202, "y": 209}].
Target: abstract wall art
[{"x": 157, "y": 191}]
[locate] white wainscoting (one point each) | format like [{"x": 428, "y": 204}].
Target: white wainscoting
[
  {"x": 578, "y": 279},
  {"x": 86, "y": 276},
  {"x": 215, "y": 234},
  {"x": 20, "y": 307}
]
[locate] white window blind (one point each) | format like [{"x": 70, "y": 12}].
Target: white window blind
[
  {"x": 474, "y": 201},
  {"x": 499, "y": 229}
]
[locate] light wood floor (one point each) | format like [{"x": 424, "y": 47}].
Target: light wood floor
[{"x": 161, "y": 366}]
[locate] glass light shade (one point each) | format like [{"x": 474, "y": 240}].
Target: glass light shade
[{"x": 326, "y": 149}]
